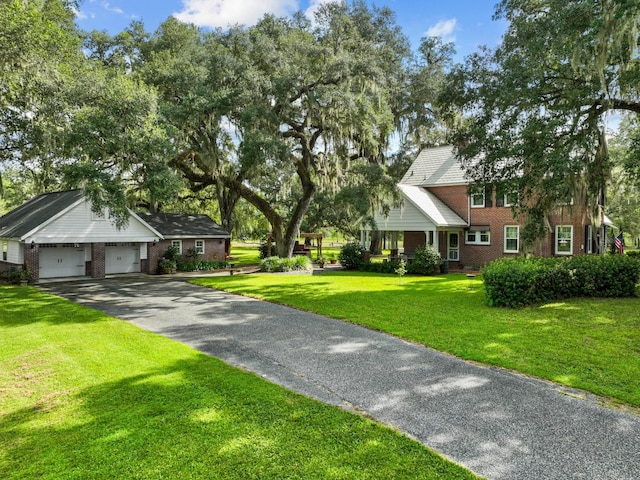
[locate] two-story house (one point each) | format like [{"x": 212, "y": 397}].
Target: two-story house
[{"x": 472, "y": 230}]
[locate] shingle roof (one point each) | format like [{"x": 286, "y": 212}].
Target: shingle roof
[
  {"x": 434, "y": 208},
  {"x": 181, "y": 225},
  {"x": 35, "y": 212},
  {"x": 434, "y": 167}
]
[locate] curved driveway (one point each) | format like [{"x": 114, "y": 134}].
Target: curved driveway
[{"x": 498, "y": 424}]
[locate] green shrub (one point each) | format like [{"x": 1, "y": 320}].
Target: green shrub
[
  {"x": 276, "y": 264},
  {"x": 380, "y": 267},
  {"x": 633, "y": 253},
  {"x": 172, "y": 253},
  {"x": 262, "y": 249},
  {"x": 202, "y": 265},
  {"x": 527, "y": 281},
  {"x": 351, "y": 256},
  {"x": 426, "y": 261}
]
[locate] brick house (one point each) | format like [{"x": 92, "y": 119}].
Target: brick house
[
  {"x": 57, "y": 235},
  {"x": 472, "y": 230}
]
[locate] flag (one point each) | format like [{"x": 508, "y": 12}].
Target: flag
[{"x": 619, "y": 241}]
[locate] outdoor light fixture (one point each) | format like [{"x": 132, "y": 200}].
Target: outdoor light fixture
[{"x": 33, "y": 244}]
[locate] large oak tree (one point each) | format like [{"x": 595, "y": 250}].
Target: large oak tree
[{"x": 536, "y": 107}]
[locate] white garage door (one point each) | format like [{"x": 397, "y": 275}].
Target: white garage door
[
  {"x": 61, "y": 260},
  {"x": 122, "y": 258}
]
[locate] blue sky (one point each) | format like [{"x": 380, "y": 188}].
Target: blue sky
[{"x": 466, "y": 23}]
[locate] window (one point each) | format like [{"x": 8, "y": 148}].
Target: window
[
  {"x": 481, "y": 237},
  {"x": 477, "y": 200},
  {"x": 588, "y": 239},
  {"x": 564, "y": 239},
  {"x": 511, "y": 239},
  {"x": 200, "y": 247},
  {"x": 510, "y": 199},
  {"x": 431, "y": 237},
  {"x": 177, "y": 244}
]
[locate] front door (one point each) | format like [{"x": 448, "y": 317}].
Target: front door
[{"x": 454, "y": 246}]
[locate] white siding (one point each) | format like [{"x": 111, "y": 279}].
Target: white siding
[
  {"x": 15, "y": 252},
  {"x": 79, "y": 226},
  {"x": 407, "y": 217}
]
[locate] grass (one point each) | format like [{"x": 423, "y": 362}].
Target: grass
[
  {"x": 83, "y": 395},
  {"x": 244, "y": 254},
  {"x": 591, "y": 344}
]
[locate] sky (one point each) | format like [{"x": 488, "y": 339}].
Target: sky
[{"x": 466, "y": 23}]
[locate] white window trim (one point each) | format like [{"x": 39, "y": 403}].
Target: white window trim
[
  {"x": 177, "y": 243},
  {"x": 505, "y": 202},
  {"x": 588, "y": 245},
  {"x": 199, "y": 251},
  {"x": 455, "y": 250},
  {"x": 477, "y": 241},
  {"x": 473, "y": 195},
  {"x": 557, "y": 240},
  {"x": 506, "y": 250}
]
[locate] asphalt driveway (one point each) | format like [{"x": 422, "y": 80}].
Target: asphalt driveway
[{"x": 498, "y": 424}]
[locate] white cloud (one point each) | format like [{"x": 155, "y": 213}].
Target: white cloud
[
  {"x": 107, "y": 6},
  {"x": 223, "y": 13},
  {"x": 444, "y": 29},
  {"x": 79, "y": 14},
  {"x": 314, "y": 5}
]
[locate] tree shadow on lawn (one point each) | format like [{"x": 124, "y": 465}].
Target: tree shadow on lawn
[
  {"x": 24, "y": 305},
  {"x": 199, "y": 418},
  {"x": 584, "y": 343},
  {"x": 316, "y": 287}
]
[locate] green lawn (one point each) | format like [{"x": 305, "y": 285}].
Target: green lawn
[
  {"x": 592, "y": 344},
  {"x": 83, "y": 395},
  {"x": 247, "y": 253}
]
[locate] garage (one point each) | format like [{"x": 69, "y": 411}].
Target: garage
[
  {"x": 61, "y": 260},
  {"x": 122, "y": 258}
]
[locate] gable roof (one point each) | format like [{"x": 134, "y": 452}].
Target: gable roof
[
  {"x": 37, "y": 211},
  {"x": 431, "y": 206},
  {"x": 184, "y": 225},
  {"x": 435, "y": 167}
]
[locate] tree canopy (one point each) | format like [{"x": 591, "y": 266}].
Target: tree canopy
[{"x": 536, "y": 107}]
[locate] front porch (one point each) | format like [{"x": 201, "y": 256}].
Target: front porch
[{"x": 402, "y": 245}]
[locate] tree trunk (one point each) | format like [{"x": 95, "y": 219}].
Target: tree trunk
[
  {"x": 376, "y": 242},
  {"x": 227, "y": 200},
  {"x": 284, "y": 239}
]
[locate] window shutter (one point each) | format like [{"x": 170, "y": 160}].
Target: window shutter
[{"x": 487, "y": 196}]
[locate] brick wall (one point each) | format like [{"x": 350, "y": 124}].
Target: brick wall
[
  {"x": 32, "y": 261},
  {"x": 455, "y": 197},
  {"x": 98, "y": 260},
  {"x": 214, "y": 251},
  {"x": 413, "y": 240},
  {"x": 154, "y": 252},
  {"x": 495, "y": 218}
]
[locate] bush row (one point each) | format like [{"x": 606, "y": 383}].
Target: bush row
[
  {"x": 527, "y": 281},
  {"x": 201, "y": 265},
  {"x": 426, "y": 261},
  {"x": 276, "y": 264}
]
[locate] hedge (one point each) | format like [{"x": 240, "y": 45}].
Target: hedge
[
  {"x": 276, "y": 264},
  {"x": 528, "y": 281}
]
